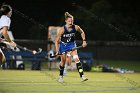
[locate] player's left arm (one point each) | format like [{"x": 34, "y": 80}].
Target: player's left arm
[{"x": 82, "y": 35}]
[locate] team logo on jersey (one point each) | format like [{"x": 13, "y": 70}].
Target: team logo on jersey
[{"x": 69, "y": 35}]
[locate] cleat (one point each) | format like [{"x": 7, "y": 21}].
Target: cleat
[
  {"x": 83, "y": 78},
  {"x": 60, "y": 80}
]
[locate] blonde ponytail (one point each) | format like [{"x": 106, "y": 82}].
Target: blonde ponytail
[{"x": 68, "y": 15}]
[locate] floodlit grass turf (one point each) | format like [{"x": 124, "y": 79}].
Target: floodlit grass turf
[{"x": 26, "y": 81}]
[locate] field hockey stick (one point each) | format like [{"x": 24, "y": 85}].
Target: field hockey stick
[
  {"x": 52, "y": 56},
  {"x": 29, "y": 50},
  {"x": 23, "y": 48}
]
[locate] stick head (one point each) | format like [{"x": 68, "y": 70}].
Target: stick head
[
  {"x": 52, "y": 56},
  {"x": 39, "y": 50}
]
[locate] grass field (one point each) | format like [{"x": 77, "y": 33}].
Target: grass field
[{"x": 27, "y": 81}]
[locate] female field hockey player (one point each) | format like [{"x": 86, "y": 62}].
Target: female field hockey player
[
  {"x": 5, "y": 14},
  {"x": 65, "y": 41}
]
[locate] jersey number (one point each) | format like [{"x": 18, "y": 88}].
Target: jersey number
[{"x": 69, "y": 39}]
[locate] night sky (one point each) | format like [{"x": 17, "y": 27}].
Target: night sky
[{"x": 44, "y": 12}]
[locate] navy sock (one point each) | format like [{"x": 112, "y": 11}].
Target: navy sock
[{"x": 61, "y": 70}]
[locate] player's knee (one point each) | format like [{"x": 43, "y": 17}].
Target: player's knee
[
  {"x": 69, "y": 54},
  {"x": 62, "y": 63},
  {"x": 76, "y": 58}
]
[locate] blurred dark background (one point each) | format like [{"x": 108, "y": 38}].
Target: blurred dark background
[
  {"x": 112, "y": 27},
  {"x": 105, "y": 20}
]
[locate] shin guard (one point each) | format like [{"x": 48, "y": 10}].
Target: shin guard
[{"x": 80, "y": 68}]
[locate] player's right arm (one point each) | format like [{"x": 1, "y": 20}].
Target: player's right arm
[
  {"x": 4, "y": 31},
  {"x": 58, "y": 39}
]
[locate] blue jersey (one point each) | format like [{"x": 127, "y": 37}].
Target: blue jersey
[
  {"x": 68, "y": 36},
  {"x": 67, "y": 40}
]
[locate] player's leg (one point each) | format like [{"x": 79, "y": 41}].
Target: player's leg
[
  {"x": 79, "y": 65},
  {"x": 2, "y": 58},
  {"x": 50, "y": 64},
  {"x": 68, "y": 62},
  {"x": 61, "y": 68},
  {"x": 69, "y": 58},
  {"x": 65, "y": 69}
]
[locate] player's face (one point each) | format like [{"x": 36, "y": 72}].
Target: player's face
[
  {"x": 69, "y": 22},
  {"x": 9, "y": 14}
]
